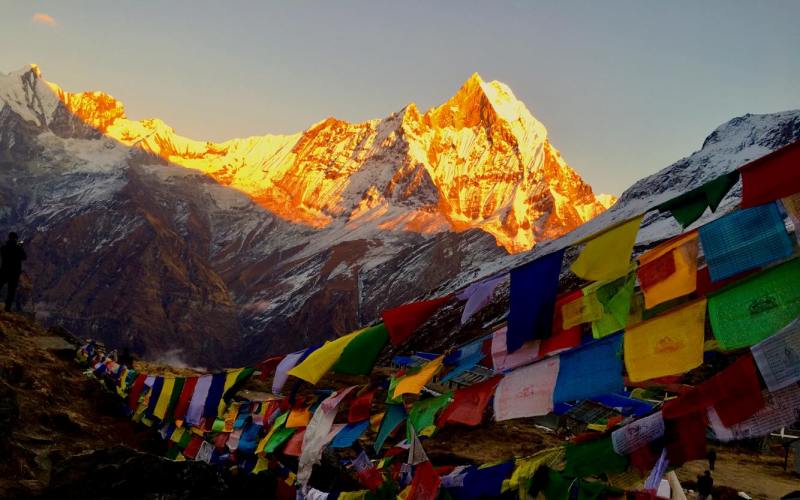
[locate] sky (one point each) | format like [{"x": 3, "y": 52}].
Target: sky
[{"x": 624, "y": 87}]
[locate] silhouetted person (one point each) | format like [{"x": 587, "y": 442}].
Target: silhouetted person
[
  {"x": 705, "y": 484},
  {"x": 712, "y": 458},
  {"x": 12, "y": 255}
]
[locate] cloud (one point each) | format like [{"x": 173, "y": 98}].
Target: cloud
[{"x": 42, "y": 18}]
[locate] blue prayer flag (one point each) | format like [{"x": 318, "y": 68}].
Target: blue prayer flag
[
  {"x": 349, "y": 433},
  {"x": 592, "y": 370},
  {"x": 155, "y": 392},
  {"x": 483, "y": 483},
  {"x": 744, "y": 240},
  {"x": 394, "y": 416},
  {"x": 214, "y": 396},
  {"x": 533, "y": 299}
]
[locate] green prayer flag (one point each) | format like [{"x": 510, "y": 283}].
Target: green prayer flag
[
  {"x": 557, "y": 486},
  {"x": 278, "y": 437},
  {"x": 173, "y": 398},
  {"x": 394, "y": 416},
  {"x": 615, "y": 298},
  {"x": 360, "y": 354},
  {"x": 218, "y": 425},
  {"x": 588, "y": 490},
  {"x": 423, "y": 413},
  {"x": 748, "y": 311},
  {"x": 689, "y": 206},
  {"x": 392, "y": 384},
  {"x": 186, "y": 438},
  {"x": 594, "y": 457}
]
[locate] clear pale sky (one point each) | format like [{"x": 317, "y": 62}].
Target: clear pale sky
[{"x": 624, "y": 87}]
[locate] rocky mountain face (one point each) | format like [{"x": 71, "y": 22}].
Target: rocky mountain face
[{"x": 219, "y": 253}]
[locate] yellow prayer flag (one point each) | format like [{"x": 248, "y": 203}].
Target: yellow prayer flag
[
  {"x": 261, "y": 465},
  {"x": 583, "y": 309},
  {"x": 320, "y": 361},
  {"x": 230, "y": 379},
  {"x": 403, "y": 495},
  {"x": 298, "y": 417},
  {"x": 608, "y": 255},
  {"x": 375, "y": 421},
  {"x": 669, "y": 270},
  {"x": 160, "y": 410},
  {"x": 666, "y": 345},
  {"x": 524, "y": 468},
  {"x": 354, "y": 495},
  {"x": 413, "y": 384}
]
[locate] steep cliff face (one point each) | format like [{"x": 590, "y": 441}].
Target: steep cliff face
[{"x": 480, "y": 160}]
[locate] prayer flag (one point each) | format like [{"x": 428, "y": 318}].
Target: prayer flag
[
  {"x": 780, "y": 410},
  {"x": 469, "y": 403},
  {"x": 666, "y": 345},
  {"x": 177, "y": 389},
  {"x": 136, "y": 391},
  {"x": 744, "y": 240},
  {"x": 402, "y": 321},
  {"x": 669, "y": 270},
  {"x": 478, "y": 295},
  {"x": 321, "y": 360},
  {"x": 394, "y": 416},
  {"x": 607, "y": 255},
  {"x": 685, "y": 438},
  {"x": 525, "y": 468},
  {"x": 425, "y": 484},
  {"x": 638, "y": 433},
  {"x": 185, "y": 398},
  {"x": 591, "y": 458},
  {"x": 562, "y": 337},
  {"x": 280, "y": 436},
  {"x": 298, "y": 417},
  {"x": 689, "y": 206},
  {"x": 423, "y": 413},
  {"x": 755, "y": 308},
  {"x": 778, "y": 357},
  {"x": 155, "y": 393},
  {"x": 416, "y": 453},
  {"x": 294, "y": 446},
  {"x": 160, "y": 410},
  {"x": 282, "y": 370},
  {"x": 464, "y": 364},
  {"x": 737, "y": 391},
  {"x": 197, "y": 403},
  {"x": 319, "y": 434},
  {"x": 593, "y": 370},
  {"x": 533, "y": 298},
  {"x": 502, "y": 360},
  {"x": 772, "y": 176},
  {"x": 349, "y": 434},
  {"x": 485, "y": 482},
  {"x": 359, "y": 356},
  {"x": 268, "y": 366},
  {"x": 413, "y": 383},
  {"x": 527, "y": 391},
  {"x": 615, "y": 297},
  {"x": 583, "y": 309},
  {"x": 215, "y": 391},
  {"x": 360, "y": 407}
]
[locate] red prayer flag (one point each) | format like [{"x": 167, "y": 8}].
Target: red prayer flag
[
  {"x": 136, "y": 391},
  {"x": 771, "y": 177},
  {"x": 644, "y": 458},
  {"x": 739, "y": 391},
  {"x": 268, "y": 366},
  {"x": 469, "y": 403},
  {"x": 370, "y": 478},
  {"x": 685, "y": 438},
  {"x": 402, "y": 321},
  {"x": 193, "y": 447},
  {"x": 657, "y": 270},
  {"x": 294, "y": 446},
  {"x": 560, "y": 338},
  {"x": 184, "y": 399},
  {"x": 425, "y": 484},
  {"x": 360, "y": 407},
  {"x": 705, "y": 286},
  {"x": 486, "y": 350}
]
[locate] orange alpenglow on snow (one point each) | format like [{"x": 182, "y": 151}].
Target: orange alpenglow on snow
[{"x": 480, "y": 160}]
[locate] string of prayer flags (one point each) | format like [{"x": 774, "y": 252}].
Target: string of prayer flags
[
  {"x": 780, "y": 410},
  {"x": 527, "y": 391},
  {"x": 595, "y": 457},
  {"x": 413, "y": 383},
  {"x": 319, "y": 362},
  {"x": 592, "y": 370},
  {"x": 394, "y": 416},
  {"x": 403, "y": 320},
  {"x": 360, "y": 407},
  {"x": 669, "y": 270},
  {"x": 638, "y": 433},
  {"x": 360, "y": 355},
  {"x": 615, "y": 298},
  {"x": 533, "y": 298},
  {"x": 425, "y": 484},
  {"x": 349, "y": 434},
  {"x": 282, "y": 370},
  {"x": 423, "y": 413},
  {"x": 778, "y": 357},
  {"x": 771, "y": 177},
  {"x": 757, "y": 307},
  {"x": 502, "y": 360},
  {"x": 685, "y": 438},
  {"x": 667, "y": 344},
  {"x": 469, "y": 403},
  {"x": 744, "y": 240},
  {"x": 689, "y": 206},
  {"x": 478, "y": 295},
  {"x": 607, "y": 256}
]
